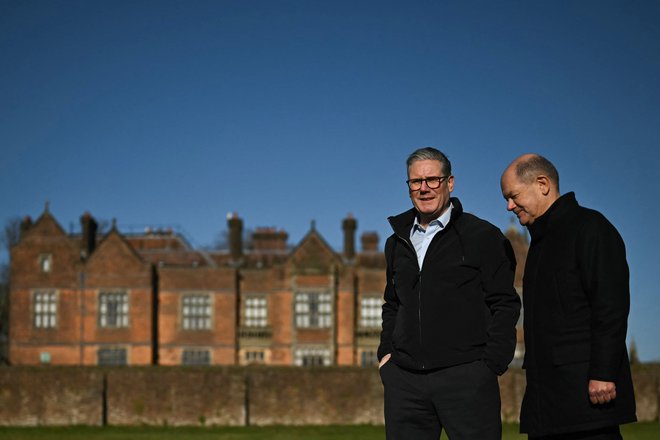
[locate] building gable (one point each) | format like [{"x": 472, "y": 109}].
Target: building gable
[
  {"x": 313, "y": 256},
  {"x": 115, "y": 263},
  {"x": 45, "y": 255},
  {"x": 45, "y": 226}
]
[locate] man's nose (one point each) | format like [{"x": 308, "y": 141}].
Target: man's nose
[{"x": 510, "y": 205}]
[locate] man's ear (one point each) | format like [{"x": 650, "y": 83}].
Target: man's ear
[{"x": 544, "y": 184}]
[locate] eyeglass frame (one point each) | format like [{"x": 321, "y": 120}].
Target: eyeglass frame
[{"x": 441, "y": 179}]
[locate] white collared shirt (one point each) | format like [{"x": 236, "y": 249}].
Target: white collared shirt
[{"x": 421, "y": 238}]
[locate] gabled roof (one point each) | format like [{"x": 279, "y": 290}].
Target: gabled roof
[
  {"x": 313, "y": 254},
  {"x": 46, "y": 225},
  {"x": 115, "y": 241}
]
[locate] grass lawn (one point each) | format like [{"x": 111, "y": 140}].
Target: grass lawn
[{"x": 637, "y": 431}]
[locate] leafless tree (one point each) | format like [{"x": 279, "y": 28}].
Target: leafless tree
[
  {"x": 221, "y": 240},
  {"x": 11, "y": 235}
]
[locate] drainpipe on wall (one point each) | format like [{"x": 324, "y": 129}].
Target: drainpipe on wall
[
  {"x": 82, "y": 315},
  {"x": 335, "y": 322}
]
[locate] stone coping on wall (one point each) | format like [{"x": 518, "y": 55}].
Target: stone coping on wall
[{"x": 228, "y": 396}]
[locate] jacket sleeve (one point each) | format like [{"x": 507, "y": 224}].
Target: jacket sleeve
[
  {"x": 497, "y": 276},
  {"x": 390, "y": 306},
  {"x": 605, "y": 279}
]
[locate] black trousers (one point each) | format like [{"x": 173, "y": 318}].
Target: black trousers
[
  {"x": 464, "y": 400},
  {"x": 610, "y": 433}
]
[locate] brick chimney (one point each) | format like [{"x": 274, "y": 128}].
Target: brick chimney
[
  {"x": 235, "y": 225},
  {"x": 88, "y": 227},
  {"x": 349, "y": 225},
  {"x": 370, "y": 242},
  {"x": 26, "y": 224},
  {"x": 269, "y": 239}
]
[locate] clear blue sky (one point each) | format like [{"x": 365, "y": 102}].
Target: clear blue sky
[{"x": 177, "y": 112}]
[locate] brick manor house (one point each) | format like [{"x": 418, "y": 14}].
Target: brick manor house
[{"x": 151, "y": 299}]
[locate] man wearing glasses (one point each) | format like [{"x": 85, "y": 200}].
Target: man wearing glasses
[
  {"x": 577, "y": 299},
  {"x": 449, "y": 314}
]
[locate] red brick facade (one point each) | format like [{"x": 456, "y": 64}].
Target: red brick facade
[{"x": 151, "y": 299}]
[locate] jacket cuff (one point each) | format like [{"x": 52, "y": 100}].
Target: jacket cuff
[{"x": 494, "y": 367}]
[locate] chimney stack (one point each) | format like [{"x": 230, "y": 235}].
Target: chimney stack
[
  {"x": 235, "y": 225},
  {"x": 25, "y": 225},
  {"x": 349, "y": 225},
  {"x": 370, "y": 242},
  {"x": 88, "y": 240},
  {"x": 269, "y": 239}
]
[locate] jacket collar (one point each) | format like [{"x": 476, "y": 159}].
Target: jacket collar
[
  {"x": 402, "y": 223},
  {"x": 552, "y": 216}
]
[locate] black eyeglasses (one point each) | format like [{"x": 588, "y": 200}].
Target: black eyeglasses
[{"x": 431, "y": 182}]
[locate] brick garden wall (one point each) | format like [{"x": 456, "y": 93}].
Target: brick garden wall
[
  {"x": 228, "y": 396},
  {"x": 32, "y": 396},
  {"x": 176, "y": 396}
]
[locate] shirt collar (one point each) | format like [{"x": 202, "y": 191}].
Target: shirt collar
[{"x": 441, "y": 221}]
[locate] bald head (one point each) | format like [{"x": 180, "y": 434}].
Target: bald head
[
  {"x": 530, "y": 185},
  {"x": 529, "y": 166}
]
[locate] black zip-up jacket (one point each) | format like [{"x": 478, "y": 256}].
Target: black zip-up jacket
[{"x": 460, "y": 306}]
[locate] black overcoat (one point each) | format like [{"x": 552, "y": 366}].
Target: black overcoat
[{"x": 576, "y": 300}]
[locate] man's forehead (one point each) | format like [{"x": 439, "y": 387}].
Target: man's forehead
[
  {"x": 432, "y": 163},
  {"x": 510, "y": 182}
]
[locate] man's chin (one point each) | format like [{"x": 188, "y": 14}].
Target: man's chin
[{"x": 429, "y": 214}]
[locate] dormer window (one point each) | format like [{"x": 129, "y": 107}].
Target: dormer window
[{"x": 45, "y": 263}]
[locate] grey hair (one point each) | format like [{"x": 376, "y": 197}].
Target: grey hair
[
  {"x": 529, "y": 169},
  {"x": 430, "y": 153}
]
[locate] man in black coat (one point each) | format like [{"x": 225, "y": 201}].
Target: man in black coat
[
  {"x": 576, "y": 301},
  {"x": 449, "y": 314}
]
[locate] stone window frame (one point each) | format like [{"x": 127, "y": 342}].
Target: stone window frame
[
  {"x": 368, "y": 357},
  {"x": 313, "y": 308},
  {"x": 255, "y": 311},
  {"x": 195, "y": 356},
  {"x": 370, "y": 313},
  {"x": 197, "y": 316},
  {"x": 112, "y": 356},
  {"x": 115, "y": 316},
  {"x": 254, "y": 356},
  {"x": 313, "y": 356},
  {"x": 44, "y": 309}
]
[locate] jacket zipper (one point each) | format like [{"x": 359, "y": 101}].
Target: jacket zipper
[{"x": 419, "y": 314}]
